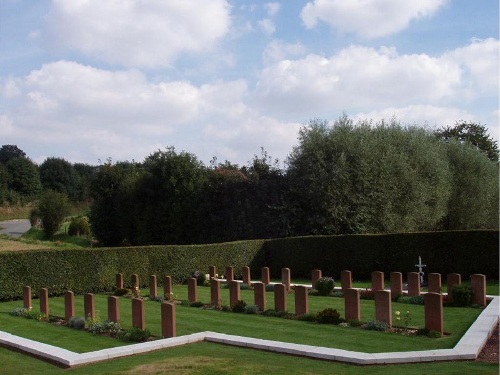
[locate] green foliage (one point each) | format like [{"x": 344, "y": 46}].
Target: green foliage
[
  {"x": 251, "y": 309},
  {"x": 434, "y": 334},
  {"x": 200, "y": 277},
  {"x": 34, "y": 315},
  {"x": 325, "y": 286},
  {"x": 104, "y": 327},
  {"x": 77, "y": 322},
  {"x": 8, "y": 152},
  {"x": 309, "y": 317},
  {"x": 121, "y": 292},
  {"x": 377, "y": 325},
  {"x": 79, "y": 226},
  {"x": 19, "y": 311},
  {"x": 134, "y": 334},
  {"x": 58, "y": 174},
  {"x": 355, "y": 323},
  {"x": 24, "y": 177},
  {"x": 197, "y": 304},
  {"x": 239, "y": 306},
  {"x": 53, "y": 208},
  {"x": 328, "y": 316},
  {"x": 461, "y": 295}
]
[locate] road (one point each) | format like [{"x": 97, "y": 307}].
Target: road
[{"x": 14, "y": 228}]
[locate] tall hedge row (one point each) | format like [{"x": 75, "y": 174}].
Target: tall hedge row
[
  {"x": 464, "y": 252},
  {"x": 94, "y": 270}
]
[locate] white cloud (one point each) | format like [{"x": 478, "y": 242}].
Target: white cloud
[
  {"x": 138, "y": 33},
  {"x": 357, "y": 77},
  {"x": 279, "y": 50},
  {"x": 80, "y": 110},
  {"x": 368, "y": 18},
  {"x": 267, "y": 26},
  {"x": 272, "y": 8}
]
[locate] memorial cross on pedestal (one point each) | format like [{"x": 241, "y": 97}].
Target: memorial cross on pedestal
[{"x": 420, "y": 267}]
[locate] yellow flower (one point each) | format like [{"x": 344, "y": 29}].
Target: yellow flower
[{"x": 397, "y": 313}]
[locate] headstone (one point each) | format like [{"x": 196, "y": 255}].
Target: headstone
[
  {"x": 229, "y": 274},
  {"x": 215, "y": 298},
  {"x": 346, "y": 280},
  {"x": 315, "y": 276},
  {"x": 135, "y": 281},
  {"x": 27, "y": 303},
  {"x": 234, "y": 292},
  {"x": 452, "y": 279},
  {"x": 89, "y": 305},
  {"x": 119, "y": 281},
  {"x": 434, "y": 312},
  {"x": 478, "y": 284},
  {"x": 377, "y": 281},
  {"x": 383, "y": 306},
  {"x": 396, "y": 279},
  {"x": 246, "y": 275},
  {"x": 352, "y": 304},
  {"x": 168, "y": 320},
  {"x": 138, "y": 314},
  {"x": 266, "y": 276},
  {"x": 212, "y": 271},
  {"x": 285, "y": 278},
  {"x": 69, "y": 305},
  {"x": 259, "y": 290},
  {"x": 44, "y": 301},
  {"x": 167, "y": 288},
  {"x": 153, "y": 288},
  {"x": 113, "y": 309},
  {"x": 434, "y": 283},
  {"x": 280, "y": 302},
  {"x": 301, "y": 300},
  {"x": 413, "y": 284},
  {"x": 192, "y": 290}
]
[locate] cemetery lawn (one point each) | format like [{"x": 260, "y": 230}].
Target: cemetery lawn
[{"x": 210, "y": 358}]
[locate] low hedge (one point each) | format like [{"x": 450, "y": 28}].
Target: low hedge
[
  {"x": 464, "y": 252},
  {"x": 94, "y": 270}
]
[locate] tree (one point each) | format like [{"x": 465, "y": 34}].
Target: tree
[
  {"x": 52, "y": 208},
  {"x": 25, "y": 178},
  {"x": 8, "y": 152},
  {"x": 59, "y": 175},
  {"x": 473, "y": 133}
]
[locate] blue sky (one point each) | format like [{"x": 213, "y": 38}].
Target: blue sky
[{"x": 89, "y": 80}]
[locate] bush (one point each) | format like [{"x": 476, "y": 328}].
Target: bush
[
  {"x": 239, "y": 306},
  {"x": 197, "y": 304},
  {"x": 244, "y": 286},
  {"x": 200, "y": 278},
  {"x": 355, "y": 323},
  {"x": 417, "y": 300},
  {"x": 19, "y": 311},
  {"x": 328, "y": 316},
  {"x": 309, "y": 317},
  {"x": 325, "y": 286},
  {"x": 121, "y": 292},
  {"x": 35, "y": 315},
  {"x": 462, "y": 295},
  {"x": 403, "y": 299},
  {"x": 79, "y": 226},
  {"x": 270, "y": 288},
  {"x": 434, "y": 334},
  {"x": 134, "y": 335},
  {"x": 251, "y": 309},
  {"x": 76, "y": 322},
  {"x": 99, "y": 328},
  {"x": 53, "y": 208},
  {"x": 377, "y": 325}
]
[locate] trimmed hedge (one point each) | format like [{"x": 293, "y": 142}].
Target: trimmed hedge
[
  {"x": 94, "y": 270},
  {"x": 464, "y": 252}
]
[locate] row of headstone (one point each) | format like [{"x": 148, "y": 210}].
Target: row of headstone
[
  {"x": 153, "y": 285},
  {"x": 168, "y": 316}
]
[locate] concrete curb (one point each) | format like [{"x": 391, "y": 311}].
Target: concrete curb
[{"x": 467, "y": 348}]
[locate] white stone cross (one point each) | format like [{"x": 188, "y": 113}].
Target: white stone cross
[{"x": 420, "y": 269}]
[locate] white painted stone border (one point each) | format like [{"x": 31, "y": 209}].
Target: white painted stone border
[{"x": 467, "y": 348}]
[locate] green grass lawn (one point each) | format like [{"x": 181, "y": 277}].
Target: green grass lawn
[{"x": 209, "y": 358}]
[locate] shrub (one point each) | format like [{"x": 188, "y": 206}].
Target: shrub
[
  {"x": 121, "y": 292},
  {"x": 79, "y": 226},
  {"x": 313, "y": 292},
  {"x": 344, "y": 325},
  {"x": 35, "y": 315},
  {"x": 366, "y": 294},
  {"x": 244, "y": 286},
  {"x": 417, "y": 300},
  {"x": 434, "y": 334},
  {"x": 251, "y": 309},
  {"x": 200, "y": 278},
  {"x": 309, "y": 317},
  {"x": 404, "y": 299},
  {"x": 270, "y": 288},
  {"x": 239, "y": 306},
  {"x": 355, "y": 323},
  {"x": 325, "y": 286},
  {"x": 197, "y": 304},
  {"x": 134, "y": 335},
  {"x": 99, "y": 328},
  {"x": 338, "y": 294},
  {"x": 19, "y": 311},
  {"x": 53, "y": 208},
  {"x": 76, "y": 322},
  {"x": 462, "y": 295},
  {"x": 377, "y": 325},
  {"x": 328, "y": 316}
]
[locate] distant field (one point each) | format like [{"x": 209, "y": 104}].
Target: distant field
[{"x": 10, "y": 245}]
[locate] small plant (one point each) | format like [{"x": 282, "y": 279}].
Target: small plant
[
  {"x": 76, "y": 322},
  {"x": 134, "y": 334},
  {"x": 35, "y": 315},
  {"x": 344, "y": 325},
  {"x": 355, "y": 323},
  {"x": 105, "y": 327},
  {"x": 200, "y": 277},
  {"x": 136, "y": 292},
  {"x": 239, "y": 306},
  {"x": 461, "y": 295},
  {"x": 309, "y": 317},
  {"x": 416, "y": 300},
  {"x": 434, "y": 334},
  {"x": 185, "y": 303},
  {"x": 313, "y": 292},
  {"x": 251, "y": 309},
  {"x": 403, "y": 299},
  {"x": 329, "y": 316},
  {"x": 406, "y": 318},
  {"x": 270, "y": 288},
  {"x": 377, "y": 325},
  {"x": 225, "y": 308},
  {"x": 121, "y": 292},
  {"x": 197, "y": 304},
  {"x": 244, "y": 286},
  {"x": 158, "y": 299},
  {"x": 325, "y": 286},
  {"x": 19, "y": 311},
  {"x": 366, "y": 294},
  {"x": 79, "y": 226},
  {"x": 338, "y": 294}
]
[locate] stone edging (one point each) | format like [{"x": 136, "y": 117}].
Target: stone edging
[{"x": 467, "y": 348}]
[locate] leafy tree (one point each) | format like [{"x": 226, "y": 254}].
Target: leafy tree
[
  {"x": 85, "y": 174},
  {"x": 25, "y": 177},
  {"x": 8, "y": 152},
  {"x": 473, "y": 133},
  {"x": 5, "y": 180},
  {"x": 58, "y": 174},
  {"x": 52, "y": 208}
]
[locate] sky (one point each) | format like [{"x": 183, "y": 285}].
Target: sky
[{"x": 92, "y": 80}]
